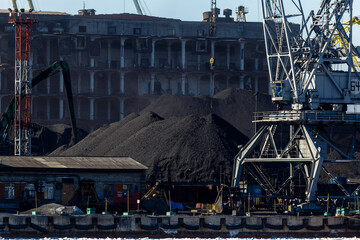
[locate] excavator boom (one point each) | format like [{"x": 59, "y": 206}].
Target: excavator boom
[{"x": 7, "y": 118}]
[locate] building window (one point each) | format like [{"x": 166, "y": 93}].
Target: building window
[
  {"x": 10, "y": 191},
  {"x": 201, "y": 46},
  {"x": 30, "y": 190},
  {"x": 49, "y": 191},
  {"x": 108, "y": 190},
  {"x": 111, "y": 30},
  {"x": 80, "y": 42},
  {"x": 82, "y": 29},
  {"x": 137, "y": 31}
]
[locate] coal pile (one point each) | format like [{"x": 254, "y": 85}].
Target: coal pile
[
  {"x": 186, "y": 149},
  {"x": 236, "y": 106}
]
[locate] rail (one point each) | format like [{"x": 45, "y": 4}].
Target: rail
[{"x": 307, "y": 117}]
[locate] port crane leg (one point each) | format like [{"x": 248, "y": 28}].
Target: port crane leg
[
  {"x": 317, "y": 161},
  {"x": 244, "y": 153}
]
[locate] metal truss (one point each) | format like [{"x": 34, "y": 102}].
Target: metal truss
[
  {"x": 305, "y": 152},
  {"x": 22, "y": 123},
  {"x": 304, "y": 54}
]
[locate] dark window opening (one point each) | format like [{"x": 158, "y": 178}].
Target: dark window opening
[
  {"x": 137, "y": 31},
  {"x": 108, "y": 190},
  {"x": 82, "y": 29},
  {"x": 111, "y": 29}
]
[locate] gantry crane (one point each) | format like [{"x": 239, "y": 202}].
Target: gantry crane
[{"x": 314, "y": 78}]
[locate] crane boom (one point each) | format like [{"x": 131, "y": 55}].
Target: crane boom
[
  {"x": 31, "y": 5},
  {"x": 138, "y": 8}
]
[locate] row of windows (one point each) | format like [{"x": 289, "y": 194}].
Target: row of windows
[{"x": 30, "y": 191}]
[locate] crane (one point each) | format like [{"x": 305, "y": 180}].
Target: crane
[
  {"x": 344, "y": 44},
  {"x": 138, "y": 8},
  {"x": 314, "y": 76},
  {"x": 22, "y": 22},
  {"x": 31, "y": 5}
]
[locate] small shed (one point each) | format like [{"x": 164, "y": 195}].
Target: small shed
[{"x": 81, "y": 181}]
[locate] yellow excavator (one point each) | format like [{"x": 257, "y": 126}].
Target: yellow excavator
[{"x": 339, "y": 40}]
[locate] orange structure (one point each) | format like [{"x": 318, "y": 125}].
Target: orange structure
[{"x": 22, "y": 22}]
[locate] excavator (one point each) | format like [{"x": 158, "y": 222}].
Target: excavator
[{"x": 7, "y": 118}]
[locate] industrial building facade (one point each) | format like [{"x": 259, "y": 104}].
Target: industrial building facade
[
  {"x": 70, "y": 180},
  {"x": 120, "y": 63}
]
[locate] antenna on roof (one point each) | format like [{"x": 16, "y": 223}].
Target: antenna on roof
[{"x": 83, "y": 4}]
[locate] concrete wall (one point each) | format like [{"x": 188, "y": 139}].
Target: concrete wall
[{"x": 112, "y": 63}]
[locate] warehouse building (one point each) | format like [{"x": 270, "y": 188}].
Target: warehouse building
[
  {"x": 80, "y": 181},
  {"x": 120, "y": 63}
]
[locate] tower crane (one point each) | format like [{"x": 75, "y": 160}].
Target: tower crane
[{"x": 313, "y": 75}]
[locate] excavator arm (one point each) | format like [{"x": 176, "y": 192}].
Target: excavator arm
[{"x": 7, "y": 118}]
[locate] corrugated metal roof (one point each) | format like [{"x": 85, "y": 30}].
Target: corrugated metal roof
[{"x": 113, "y": 163}]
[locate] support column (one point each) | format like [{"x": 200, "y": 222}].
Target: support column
[
  {"x": 228, "y": 56},
  {"x": 78, "y": 110},
  {"x": 48, "y": 51},
  {"x": 256, "y": 67},
  {"x": 48, "y": 109},
  {"x": 48, "y": 63},
  {"x": 198, "y": 62},
  {"x": 183, "y": 54},
  {"x": 213, "y": 49},
  {"x": 108, "y": 83},
  {"x": 79, "y": 59},
  {"x": 109, "y": 110},
  {"x": 61, "y": 109},
  {"x": 242, "y": 79},
  {"x": 242, "y": 55},
  {"x": 122, "y": 52},
  {"x": 152, "y": 62},
  {"x": 122, "y": 83},
  {"x": 169, "y": 54},
  {"x": 183, "y": 83},
  {"x": 122, "y": 108},
  {"x": 48, "y": 85},
  {"x": 138, "y": 54},
  {"x": 92, "y": 62},
  {"x": 92, "y": 81},
  {"x": 79, "y": 83},
  {"x": 61, "y": 83},
  {"x": 109, "y": 54},
  {"x": 92, "y": 109},
  {"x": 256, "y": 84},
  {"x": 152, "y": 83},
  {"x": 212, "y": 85}
]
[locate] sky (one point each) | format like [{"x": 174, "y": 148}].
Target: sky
[{"x": 187, "y": 10}]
